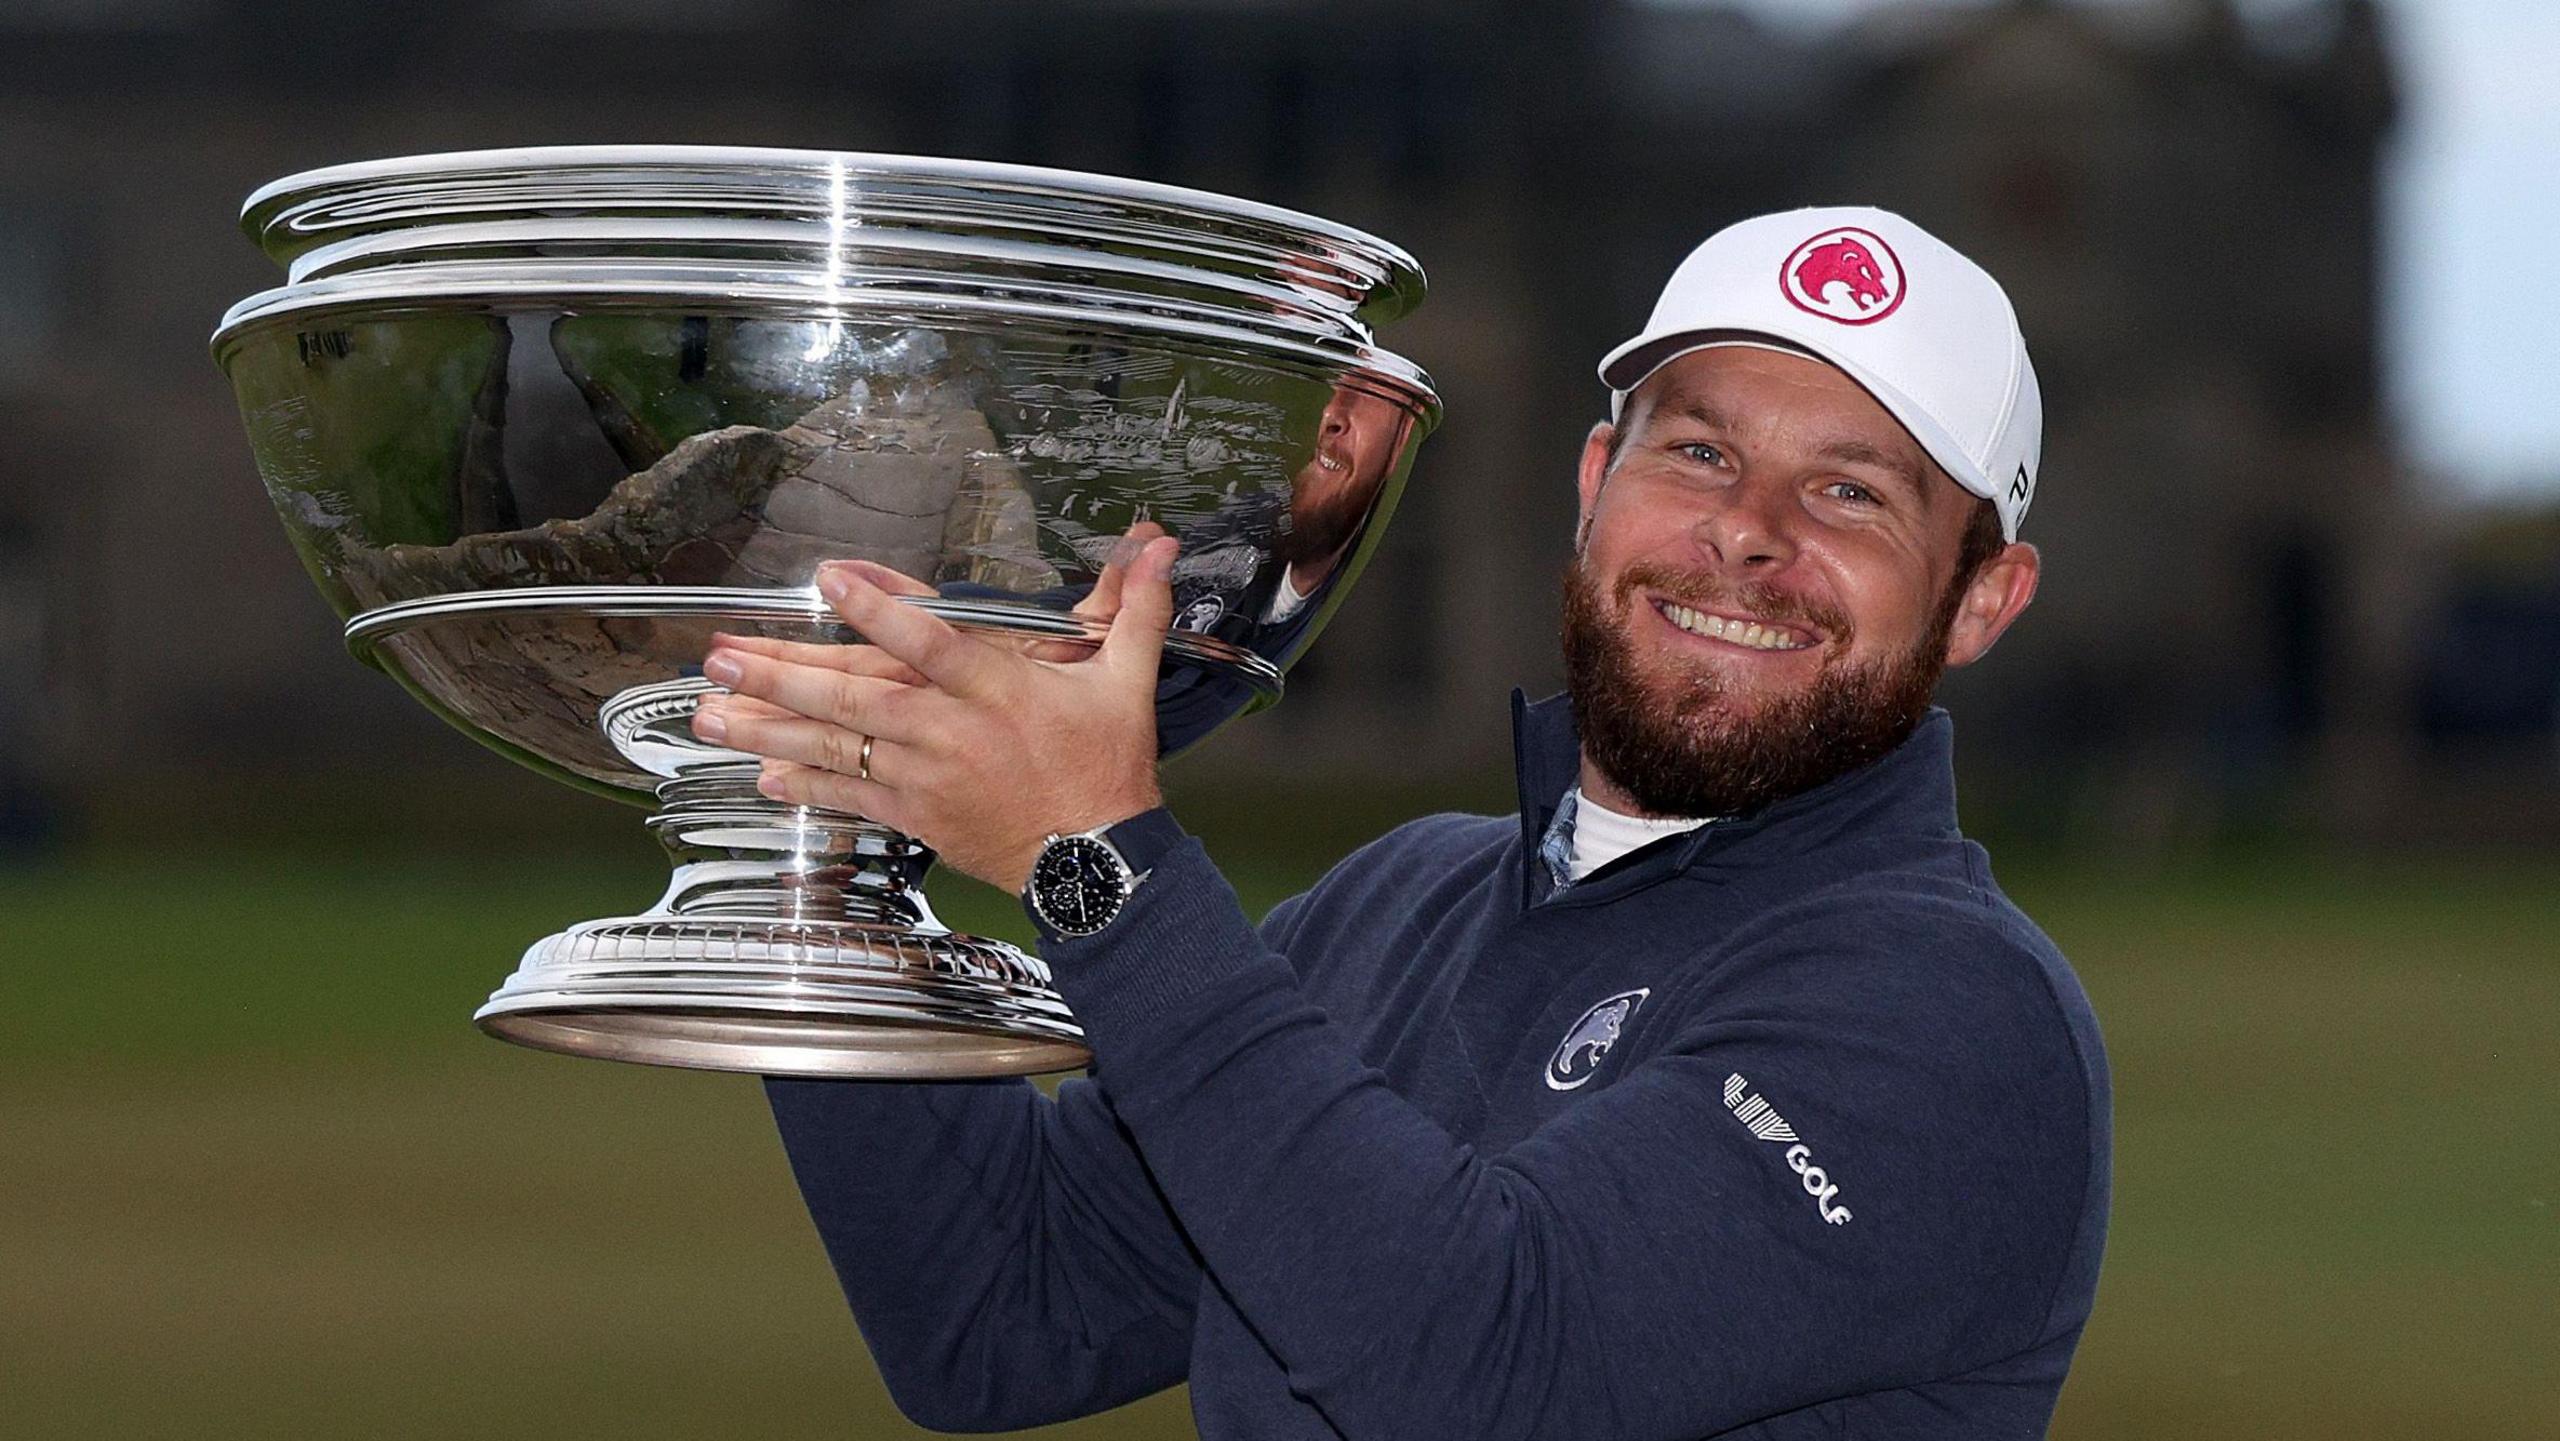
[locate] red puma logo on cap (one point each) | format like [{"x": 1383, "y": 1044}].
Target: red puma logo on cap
[
  {"x": 1846, "y": 275},
  {"x": 1847, "y": 262}
]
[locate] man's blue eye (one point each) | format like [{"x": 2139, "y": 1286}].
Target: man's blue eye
[
  {"x": 1703, "y": 453},
  {"x": 1851, "y": 490}
]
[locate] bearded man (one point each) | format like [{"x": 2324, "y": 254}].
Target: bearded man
[{"x": 1718, "y": 1093}]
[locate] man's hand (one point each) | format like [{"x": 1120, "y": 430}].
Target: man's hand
[{"x": 978, "y": 750}]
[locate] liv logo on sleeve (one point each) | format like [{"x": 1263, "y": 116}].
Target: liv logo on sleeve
[{"x": 1753, "y": 1110}]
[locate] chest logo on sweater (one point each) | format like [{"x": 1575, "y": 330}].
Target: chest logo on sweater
[
  {"x": 1578, "y": 1058},
  {"x": 1753, "y": 1109}
]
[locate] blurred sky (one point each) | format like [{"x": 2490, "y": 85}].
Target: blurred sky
[{"x": 2472, "y": 211}]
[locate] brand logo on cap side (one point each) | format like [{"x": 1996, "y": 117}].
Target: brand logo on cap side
[{"x": 1844, "y": 274}]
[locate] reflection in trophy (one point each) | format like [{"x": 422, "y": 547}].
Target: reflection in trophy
[
  {"x": 540, "y": 422},
  {"x": 1332, "y": 495}
]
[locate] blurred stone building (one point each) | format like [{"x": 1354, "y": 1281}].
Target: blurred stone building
[{"x": 2183, "y": 206}]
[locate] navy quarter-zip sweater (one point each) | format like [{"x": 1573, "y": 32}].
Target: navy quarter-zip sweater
[{"x": 1790, "y": 1126}]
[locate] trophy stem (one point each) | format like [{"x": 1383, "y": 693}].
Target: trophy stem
[
  {"x": 791, "y": 940},
  {"x": 738, "y": 853}
]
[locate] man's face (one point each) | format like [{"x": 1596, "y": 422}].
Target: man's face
[
  {"x": 1331, "y": 494},
  {"x": 1762, "y": 596}
]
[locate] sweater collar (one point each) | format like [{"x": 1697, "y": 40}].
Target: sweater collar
[{"x": 1910, "y": 789}]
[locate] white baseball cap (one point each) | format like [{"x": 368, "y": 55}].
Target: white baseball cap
[{"x": 1929, "y": 333}]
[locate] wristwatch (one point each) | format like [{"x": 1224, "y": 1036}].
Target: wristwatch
[{"x": 1079, "y": 882}]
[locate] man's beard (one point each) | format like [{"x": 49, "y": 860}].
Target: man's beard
[
  {"x": 1679, "y": 747},
  {"x": 1322, "y": 522}
]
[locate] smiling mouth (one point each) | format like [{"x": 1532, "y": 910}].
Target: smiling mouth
[{"x": 1749, "y": 634}]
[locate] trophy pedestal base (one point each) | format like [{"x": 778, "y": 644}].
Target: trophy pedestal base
[
  {"x": 792, "y": 941},
  {"x": 782, "y": 1045},
  {"x": 787, "y": 998}
]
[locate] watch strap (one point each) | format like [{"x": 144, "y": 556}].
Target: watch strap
[{"x": 1145, "y": 838}]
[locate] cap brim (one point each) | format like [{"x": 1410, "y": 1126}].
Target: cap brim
[{"x": 1625, "y": 368}]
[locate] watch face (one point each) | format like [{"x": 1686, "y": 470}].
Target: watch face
[{"x": 1078, "y": 884}]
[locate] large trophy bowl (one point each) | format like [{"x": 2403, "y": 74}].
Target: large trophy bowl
[{"x": 541, "y": 422}]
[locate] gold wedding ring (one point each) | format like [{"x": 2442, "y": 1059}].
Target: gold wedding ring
[{"x": 865, "y": 768}]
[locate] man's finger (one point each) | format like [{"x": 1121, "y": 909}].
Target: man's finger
[
  {"x": 1136, "y": 642},
  {"x": 744, "y": 724},
  {"x": 857, "y": 703},
  {"x": 895, "y": 582},
  {"x": 852, "y": 658},
  {"x": 731, "y": 705},
  {"x": 941, "y": 655},
  {"x": 1103, "y": 601},
  {"x": 801, "y": 785}
]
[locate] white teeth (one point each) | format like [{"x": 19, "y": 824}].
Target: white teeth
[{"x": 1743, "y": 633}]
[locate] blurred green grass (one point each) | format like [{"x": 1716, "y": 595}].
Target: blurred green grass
[{"x": 259, "y": 1175}]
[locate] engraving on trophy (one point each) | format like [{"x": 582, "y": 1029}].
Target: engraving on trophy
[{"x": 541, "y": 422}]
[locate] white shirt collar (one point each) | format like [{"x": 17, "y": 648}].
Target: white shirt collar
[{"x": 1601, "y": 835}]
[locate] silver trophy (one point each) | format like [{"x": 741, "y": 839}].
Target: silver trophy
[{"x": 540, "y": 422}]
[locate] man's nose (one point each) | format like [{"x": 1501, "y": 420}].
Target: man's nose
[{"x": 1750, "y": 528}]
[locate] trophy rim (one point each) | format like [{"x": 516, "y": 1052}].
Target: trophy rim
[
  {"x": 268, "y": 202},
  {"x": 1380, "y": 370},
  {"x": 316, "y": 221},
  {"x": 798, "y": 613},
  {"x": 834, "y": 235},
  {"x": 366, "y": 632}
]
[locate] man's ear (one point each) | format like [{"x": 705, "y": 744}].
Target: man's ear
[
  {"x": 1590, "y": 476},
  {"x": 1996, "y": 596}
]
